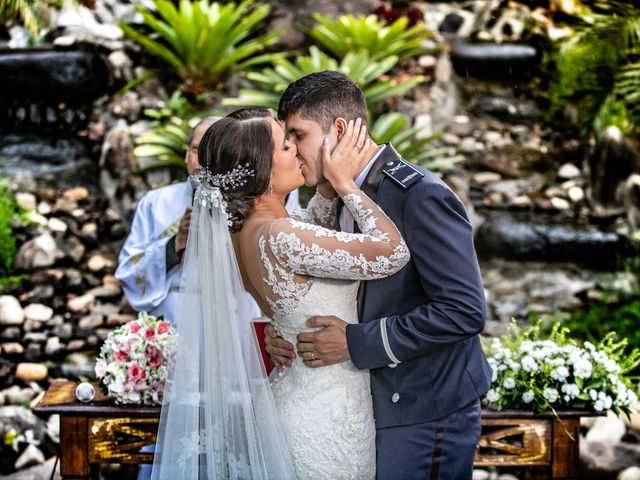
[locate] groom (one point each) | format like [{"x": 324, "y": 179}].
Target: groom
[{"x": 419, "y": 329}]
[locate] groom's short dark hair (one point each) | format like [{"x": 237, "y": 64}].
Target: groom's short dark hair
[{"x": 323, "y": 97}]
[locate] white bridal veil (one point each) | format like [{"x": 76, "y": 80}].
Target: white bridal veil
[{"x": 218, "y": 418}]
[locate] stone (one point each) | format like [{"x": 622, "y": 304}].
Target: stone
[
  {"x": 11, "y": 313},
  {"x": 38, "y": 312},
  {"x": 480, "y": 475},
  {"x": 102, "y": 333},
  {"x": 53, "y": 346},
  {"x": 74, "y": 76},
  {"x": 73, "y": 277},
  {"x": 81, "y": 304},
  {"x": 77, "y": 194},
  {"x": 493, "y": 61},
  {"x": 40, "y": 293},
  {"x": 16, "y": 395},
  {"x": 631, "y": 473},
  {"x": 508, "y": 188},
  {"x": 485, "y": 178},
  {"x": 64, "y": 331},
  {"x": 560, "y": 203},
  {"x": 11, "y": 348},
  {"x": 26, "y": 200},
  {"x": 521, "y": 201},
  {"x": 31, "y": 371},
  {"x": 576, "y": 194},
  {"x": 569, "y": 171},
  {"x": 55, "y": 321},
  {"x": 32, "y": 455},
  {"x": 38, "y": 337},
  {"x": 427, "y": 61},
  {"x": 119, "y": 319},
  {"x": 10, "y": 333},
  {"x": 44, "y": 208},
  {"x": 99, "y": 262},
  {"x": 65, "y": 205},
  {"x": 609, "y": 429},
  {"x": 38, "y": 252},
  {"x": 56, "y": 225},
  {"x": 31, "y": 325},
  {"x": 108, "y": 290},
  {"x": 76, "y": 344},
  {"x": 599, "y": 460},
  {"x": 526, "y": 237},
  {"x": 91, "y": 321},
  {"x": 73, "y": 248},
  {"x": 48, "y": 276}
]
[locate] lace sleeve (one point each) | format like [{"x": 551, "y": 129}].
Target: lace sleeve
[
  {"x": 320, "y": 211},
  {"x": 307, "y": 249}
]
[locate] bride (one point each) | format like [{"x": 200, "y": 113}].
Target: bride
[{"x": 221, "y": 418}]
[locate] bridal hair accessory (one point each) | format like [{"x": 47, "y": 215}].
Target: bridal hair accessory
[
  {"x": 213, "y": 186},
  {"x": 236, "y": 177}
]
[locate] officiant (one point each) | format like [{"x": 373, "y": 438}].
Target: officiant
[{"x": 150, "y": 263}]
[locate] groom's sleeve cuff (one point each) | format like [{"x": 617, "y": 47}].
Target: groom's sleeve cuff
[{"x": 369, "y": 346}]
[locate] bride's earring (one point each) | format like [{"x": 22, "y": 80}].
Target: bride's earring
[{"x": 270, "y": 188}]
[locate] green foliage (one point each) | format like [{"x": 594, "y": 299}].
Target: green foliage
[
  {"x": 8, "y": 210},
  {"x": 205, "y": 42},
  {"x": 273, "y": 81},
  {"x": 32, "y": 14},
  {"x": 541, "y": 372},
  {"x": 380, "y": 40},
  {"x": 167, "y": 140},
  {"x": 615, "y": 308},
  {"x": 395, "y": 128},
  {"x": 596, "y": 69}
]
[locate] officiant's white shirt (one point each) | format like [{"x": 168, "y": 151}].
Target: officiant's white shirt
[{"x": 142, "y": 261}]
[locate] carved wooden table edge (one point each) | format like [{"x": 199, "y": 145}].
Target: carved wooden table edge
[
  {"x": 102, "y": 432},
  {"x": 546, "y": 443},
  {"x": 98, "y": 431}
]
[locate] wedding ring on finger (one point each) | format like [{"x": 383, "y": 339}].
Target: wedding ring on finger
[{"x": 313, "y": 355}]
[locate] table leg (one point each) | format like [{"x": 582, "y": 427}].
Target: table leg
[
  {"x": 566, "y": 448},
  {"x": 74, "y": 458}
]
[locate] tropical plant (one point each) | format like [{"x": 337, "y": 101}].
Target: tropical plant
[
  {"x": 597, "y": 70},
  {"x": 167, "y": 141},
  {"x": 380, "y": 40},
  {"x": 395, "y": 128},
  {"x": 365, "y": 72},
  {"x": 32, "y": 14},
  {"x": 205, "y": 42}
]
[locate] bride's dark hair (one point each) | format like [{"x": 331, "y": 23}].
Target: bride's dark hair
[{"x": 242, "y": 137}]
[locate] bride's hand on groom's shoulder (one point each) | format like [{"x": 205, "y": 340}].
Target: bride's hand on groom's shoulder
[
  {"x": 326, "y": 346},
  {"x": 280, "y": 351}
]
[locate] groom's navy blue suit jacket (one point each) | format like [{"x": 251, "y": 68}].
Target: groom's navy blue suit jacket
[{"x": 419, "y": 329}]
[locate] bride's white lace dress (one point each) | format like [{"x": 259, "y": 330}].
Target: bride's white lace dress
[{"x": 310, "y": 270}]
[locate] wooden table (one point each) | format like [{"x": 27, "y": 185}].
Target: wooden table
[
  {"x": 97, "y": 432},
  {"x": 102, "y": 432}
]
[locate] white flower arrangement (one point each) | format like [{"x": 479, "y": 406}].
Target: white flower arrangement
[
  {"x": 555, "y": 373},
  {"x": 134, "y": 360}
]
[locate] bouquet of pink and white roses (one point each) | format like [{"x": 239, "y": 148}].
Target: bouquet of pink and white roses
[{"x": 134, "y": 360}]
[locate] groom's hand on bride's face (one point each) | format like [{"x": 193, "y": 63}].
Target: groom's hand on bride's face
[
  {"x": 326, "y": 346},
  {"x": 280, "y": 351}
]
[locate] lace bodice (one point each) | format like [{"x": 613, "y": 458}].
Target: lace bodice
[{"x": 293, "y": 251}]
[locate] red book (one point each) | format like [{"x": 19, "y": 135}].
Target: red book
[{"x": 259, "y": 327}]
